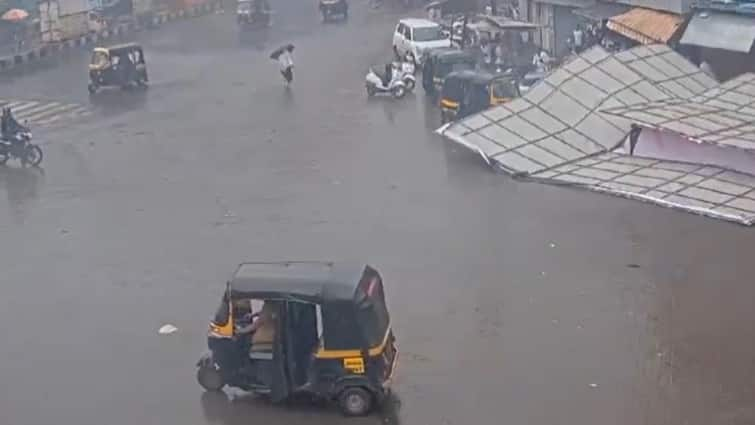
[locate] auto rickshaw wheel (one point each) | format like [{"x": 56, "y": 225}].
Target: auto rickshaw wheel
[
  {"x": 4, "y": 156},
  {"x": 355, "y": 401},
  {"x": 92, "y": 88},
  {"x": 210, "y": 378}
]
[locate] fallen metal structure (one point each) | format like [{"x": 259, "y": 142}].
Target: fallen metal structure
[{"x": 572, "y": 128}]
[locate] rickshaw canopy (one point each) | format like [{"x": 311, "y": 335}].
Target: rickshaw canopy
[
  {"x": 354, "y": 311},
  {"x": 314, "y": 282},
  {"x": 451, "y": 54},
  {"x": 121, "y": 48}
]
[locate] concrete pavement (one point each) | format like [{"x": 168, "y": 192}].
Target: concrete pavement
[{"x": 512, "y": 303}]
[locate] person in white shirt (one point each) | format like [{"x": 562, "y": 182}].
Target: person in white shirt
[
  {"x": 545, "y": 59},
  {"x": 286, "y": 62},
  {"x": 579, "y": 39},
  {"x": 706, "y": 68}
]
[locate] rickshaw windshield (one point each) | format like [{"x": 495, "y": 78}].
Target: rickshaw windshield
[
  {"x": 445, "y": 68},
  {"x": 245, "y": 6},
  {"x": 504, "y": 89},
  {"x": 372, "y": 313},
  {"x": 100, "y": 59},
  {"x": 223, "y": 312}
]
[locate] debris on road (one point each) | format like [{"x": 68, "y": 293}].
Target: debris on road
[{"x": 167, "y": 329}]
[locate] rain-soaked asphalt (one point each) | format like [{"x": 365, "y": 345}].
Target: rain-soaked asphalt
[{"x": 513, "y": 303}]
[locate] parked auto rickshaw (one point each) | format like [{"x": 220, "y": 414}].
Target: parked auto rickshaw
[
  {"x": 288, "y": 328},
  {"x": 468, "y": 92},
  {"x": 440, "y": 62},
  {"x": 333, "y": 8},
  {"x": 122, "y": 65},
  {"x": 253, "y": 13}
]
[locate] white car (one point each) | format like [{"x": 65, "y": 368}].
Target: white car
[{"x": 414, "y": 37}]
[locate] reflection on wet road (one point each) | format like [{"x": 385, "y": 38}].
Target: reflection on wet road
[{"x": 512, "y": 303}]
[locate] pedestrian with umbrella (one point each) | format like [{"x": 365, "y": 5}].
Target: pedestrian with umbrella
[{"x": 285, "y": 58}]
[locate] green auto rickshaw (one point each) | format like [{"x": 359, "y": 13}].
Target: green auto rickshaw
[{"x": 441, "y": 62}]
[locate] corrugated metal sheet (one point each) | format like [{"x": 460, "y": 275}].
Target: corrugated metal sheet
[
  {"x": 645, "y": 25},
  {"x": 720, "y": 31}
]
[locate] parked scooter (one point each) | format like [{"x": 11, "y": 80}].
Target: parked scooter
[
  {"x": 406, "y": 69},
  {"x": 395, "y": 87}
]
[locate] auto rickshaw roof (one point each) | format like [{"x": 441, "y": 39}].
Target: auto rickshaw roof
[
  {"x": 451, "y": 53},
  {"x": 123, "y": 47},
  {"x": 475, "y": 76},
  {"x": 300, "y": 280}
]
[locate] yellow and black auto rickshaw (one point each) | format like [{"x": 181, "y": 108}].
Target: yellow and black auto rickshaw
[
  {"x": 321, "y": 329},
  {"x": 121, "y": 65},
  {"x": 440, "y": 62},
  {"x": 468, "y": 92}
]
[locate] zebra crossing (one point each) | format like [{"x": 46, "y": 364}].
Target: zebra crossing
[{"x": 42, "y": 113}]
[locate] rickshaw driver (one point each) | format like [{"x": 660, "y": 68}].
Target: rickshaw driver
[{"x": 261, "y": 328}]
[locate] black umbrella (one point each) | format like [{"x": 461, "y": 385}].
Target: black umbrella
[{"x": 279, "y": 51}]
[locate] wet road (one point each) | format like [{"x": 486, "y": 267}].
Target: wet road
[{"x": 513, "y": 303}]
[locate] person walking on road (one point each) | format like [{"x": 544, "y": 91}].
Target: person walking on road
[{"x": 285, "y": 57}]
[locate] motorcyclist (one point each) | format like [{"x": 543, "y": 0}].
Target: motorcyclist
[
  {"x": 387, "y": 75},
  {"x": 10, "y": 127}
]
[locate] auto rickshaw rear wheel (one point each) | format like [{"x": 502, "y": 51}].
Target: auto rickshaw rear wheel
[
  {"x": 92, "y": 88},
  {"x": 355, "y": 401},
  {"x": 210, "y": 378}
]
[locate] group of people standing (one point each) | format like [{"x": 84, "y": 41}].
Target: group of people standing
[{"x": 586, "y": 36}]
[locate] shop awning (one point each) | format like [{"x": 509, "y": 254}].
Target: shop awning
[
  {"x": 602, "y": 11},
  {"x": 646, "y": 26},
  {"x": 720, "y": 31}
]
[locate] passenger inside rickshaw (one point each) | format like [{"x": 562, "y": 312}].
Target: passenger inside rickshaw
[{"x": 263, "y": 329}]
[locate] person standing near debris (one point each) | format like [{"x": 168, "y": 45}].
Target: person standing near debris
[
  {"x": 541, "y": 61},
  {"x": 579, "y": 39},
  {"x": 634, "y": 137},
  {"x": 706, "y": 68}
]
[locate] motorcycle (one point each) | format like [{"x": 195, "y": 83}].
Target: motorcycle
[
  {"x": 406, "y": 69},
  {"x": 374, "y": 84},
  {"x": 19, "y": 145}
]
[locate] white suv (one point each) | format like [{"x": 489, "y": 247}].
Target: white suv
[{"x": 416, "y": 36}]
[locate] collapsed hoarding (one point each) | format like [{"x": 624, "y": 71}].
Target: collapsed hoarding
[{"x": 570, "y": 129}]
